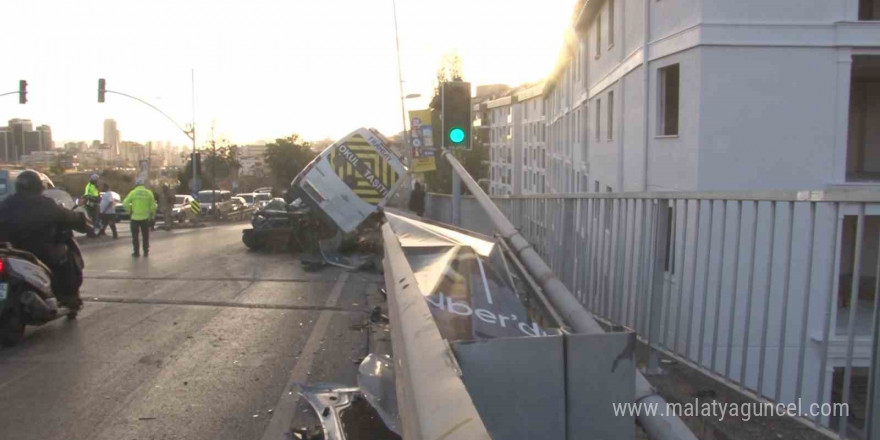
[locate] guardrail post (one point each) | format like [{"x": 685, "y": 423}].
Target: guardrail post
[
  {"x": 872, "y": 417},
  {"x": 655, "y": 290},
  {"x": 456, "y": 199},
  {"x": 568, "y": 244}
]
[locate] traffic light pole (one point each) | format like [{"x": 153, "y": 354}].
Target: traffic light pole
[
  {"x": 21, "y": 92},
  {"x": 456, "y": 180},
  {"x": 190, "y": 133},
  {"x": 456, "y": 199}
]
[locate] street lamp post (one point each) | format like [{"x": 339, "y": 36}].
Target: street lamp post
[
  {"x": 189, "y": 131},
  {"x": 405, "y": 142}
]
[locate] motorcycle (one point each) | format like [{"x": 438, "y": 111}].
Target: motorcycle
[
  {"x": 26, "y": 296},
  {"x": 90, "y": 205}
]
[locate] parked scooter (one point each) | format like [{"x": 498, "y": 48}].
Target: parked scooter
[{"x": 26, "y": 296}]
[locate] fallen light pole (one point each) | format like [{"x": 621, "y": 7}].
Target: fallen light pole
[{"x": 659, "y": 426}]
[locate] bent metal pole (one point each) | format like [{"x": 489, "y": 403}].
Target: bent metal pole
[{"x": 658, "y": 426}]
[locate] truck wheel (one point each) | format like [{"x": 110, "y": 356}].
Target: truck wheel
[{"x": 11, "y": 328}]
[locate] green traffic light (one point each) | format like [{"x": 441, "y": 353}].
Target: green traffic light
[{"x": 456, "y": 135}]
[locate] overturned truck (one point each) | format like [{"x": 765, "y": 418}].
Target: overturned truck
[{"x": 338, "y": 195}]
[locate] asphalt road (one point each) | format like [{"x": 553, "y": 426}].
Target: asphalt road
[{"x": 199, "y": 341}]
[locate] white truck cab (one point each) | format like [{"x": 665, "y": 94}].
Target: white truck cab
[{"x": 352, "y": 178}]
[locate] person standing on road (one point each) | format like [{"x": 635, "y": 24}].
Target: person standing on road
[
  {"x": 140, "y": 204},
  {"x": 417, "y": 200},
  {"x": 92, "y": 199},
  {"x": 166, "y": 203},
  {"x": 108, "y": 211}
]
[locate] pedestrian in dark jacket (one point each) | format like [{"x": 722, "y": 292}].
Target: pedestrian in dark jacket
[
  {"x": 417, "y": 200},
  {"x": 32, "y": 222}
]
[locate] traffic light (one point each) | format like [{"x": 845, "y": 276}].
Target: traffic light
[
  {"x": 102, "y": 89},
  {"x": 455, "y": 99},
  {"x": 22, "y": 91}
]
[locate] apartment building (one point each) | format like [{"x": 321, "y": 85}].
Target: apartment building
[
  {"x": 715, "y": 95},
  {"x": 517, "y": 132},
  {"x": 684, "y": 95},
  {"x": 500, "y": 126},
  {"x": 529, "y": 140}
]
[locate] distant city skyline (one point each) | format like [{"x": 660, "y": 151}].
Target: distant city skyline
[{"x": 263, "y": 69}]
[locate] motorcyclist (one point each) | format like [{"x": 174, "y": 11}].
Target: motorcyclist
[
  {"x": 92, "y": 198},
  {"x": 32, "y": 222}
]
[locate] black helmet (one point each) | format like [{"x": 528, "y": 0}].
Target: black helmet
[{"x": 29, "y": 182}]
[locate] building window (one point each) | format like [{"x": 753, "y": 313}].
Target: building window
[
  {"x": 598, "y": 117},
  {"x": 610, "y": 24},
  {"x": 869, "y": 10},
  {"x": 598, "y": 35},
  {"x": 610, "y": 115},
  {"x": 668, "y": 101}
]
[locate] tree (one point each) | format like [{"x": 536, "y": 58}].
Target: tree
[
  {"x": 217, "y": 164},
  {"x": 286, "y": 157},
  {"x": 450, "y": 70}
]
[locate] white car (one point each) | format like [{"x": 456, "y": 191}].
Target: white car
[
  {"x": 248, "y": 199},
  {"x": 182, "y": 211},
  {"x": 261, "y": 199}
]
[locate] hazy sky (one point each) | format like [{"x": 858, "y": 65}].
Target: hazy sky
[{"x": 263, "y": 68}]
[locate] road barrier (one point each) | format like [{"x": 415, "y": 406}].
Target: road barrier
[
  {"x": 659, "y": 427},
  {"x": 773, "y": 293}
]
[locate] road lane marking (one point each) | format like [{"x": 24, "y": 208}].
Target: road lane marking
[
  {"x": 282, "y": 416},
  {"x": 165, "y": 278},
  {"x": 15, "y": 379},
  {"x": 186, "y": 302}
]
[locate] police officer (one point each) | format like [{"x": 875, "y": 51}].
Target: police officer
[
  {"x": 140, "y": 204},
  {"x": 92, "y": 198}
]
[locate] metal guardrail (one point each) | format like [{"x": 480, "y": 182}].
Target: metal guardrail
[
  {"x": 658, "y": 426},
  {"x": 775, "y": 293},
  {"x": 432, "y": 399}
]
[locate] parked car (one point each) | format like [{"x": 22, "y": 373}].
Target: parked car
[
  {"x": 222, "y": 206},
  {"x": 238, "y": 204},
  {"x": 120, "y": 213},
  {"x": 7, "y": 182},
  {"x": 278, "y": 225},
  {"x": 261, "y": 199},
  {"x": 248, "y": 198},
  {"x": 181, "y": 211}
]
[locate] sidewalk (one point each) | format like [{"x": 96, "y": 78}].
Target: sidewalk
[{"x": 682, "y": 384}]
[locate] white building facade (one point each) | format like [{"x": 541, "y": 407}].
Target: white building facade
[
  {"x": 517, "y": 148},
  {"x": 705, "y": 95},
  {"x": 500, "y": 126},
  {"x": 719, "y": 95}
]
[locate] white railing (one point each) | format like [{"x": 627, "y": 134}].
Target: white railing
[{"x": 772, "y": 292}]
